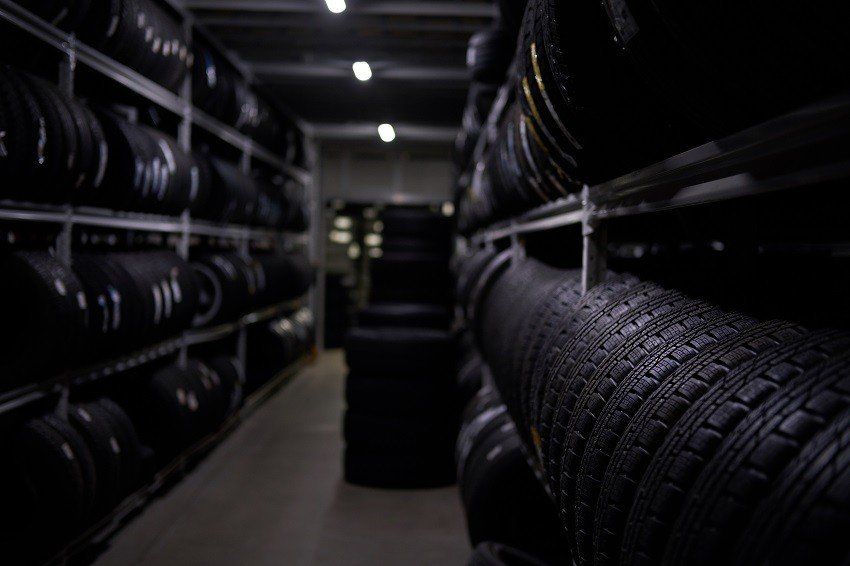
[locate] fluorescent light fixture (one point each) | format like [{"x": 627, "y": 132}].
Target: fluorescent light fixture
[
  {"x": 362, "y": 70},
  {"x": 354, "y": 251},
  {"x": 387, "y": 132},
  {"x": 340, "y": 237},
  {"x": 343, "y": 222},
  {"x": 336, "y": 6},
  {"x": 373, "y": 240}
]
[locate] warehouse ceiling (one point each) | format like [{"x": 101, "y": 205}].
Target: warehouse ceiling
[{"x": 304, "y": 53}]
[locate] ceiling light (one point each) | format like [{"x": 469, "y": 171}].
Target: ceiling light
[
  {"x": 354, "y": 251},
  {"x": 336, "y": 6},
  {"x": 373, "y": 240},
  {"x": 340, "y": 237},
  {"x": 343, "y": 222},
  {"x": 362, "y": 71},
  {"x": 387, "y": 132}
]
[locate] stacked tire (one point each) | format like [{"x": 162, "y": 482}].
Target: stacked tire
[
  {"x": 668, "y": 429},
  {"x": 502, "y": 498},
  {"x": 137, "y": 33},
  {"x": 174, "y": 407},
  {"x": 414, "y": 266},
  {"x": 274, "y": 346},
  {"x": 57, "y": 150},
  {"x": 65, "y": 474},
  {"x": 231, "y": 285},
  {"x": 134, "y": 299},
  {"x": 402, "y": 414}
]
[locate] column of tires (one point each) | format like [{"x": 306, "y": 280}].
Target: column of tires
[
  {"x": 668, "y": 430},
  {"x": 402, "y": 411}
]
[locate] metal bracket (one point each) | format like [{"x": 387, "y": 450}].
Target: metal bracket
[
  {"x": 68, "y": 66},
  {"x": 594, "y": 234}
]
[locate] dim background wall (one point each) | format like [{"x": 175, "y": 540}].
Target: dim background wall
[{"x": 382, "y": 175}]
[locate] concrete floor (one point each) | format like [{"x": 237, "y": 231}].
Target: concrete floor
[{"x": 272, "y": 494}]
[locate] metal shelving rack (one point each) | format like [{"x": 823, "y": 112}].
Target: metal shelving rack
[
  {"x": 183, "y": 229},
  {"x": 789, "y": 152}
]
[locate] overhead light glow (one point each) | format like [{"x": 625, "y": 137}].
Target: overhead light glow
[
  {"x": 387, "y": 132},
  {"x": 336, "y": 6},
  {"x": 373, "y": 240},
  {"x": 362, "y": 70},
  {"x": 340, "y": 237},
  {"x": 354, "y": 251},
  {"x": 343, "y": 222}
]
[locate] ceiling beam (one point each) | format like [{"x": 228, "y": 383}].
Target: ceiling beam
[
  {"x": 273, "y": 71},
  {"x": 365, "y": 131},
  {"x": 430, "y": 8}
]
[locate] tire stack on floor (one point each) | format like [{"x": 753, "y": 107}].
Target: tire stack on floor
[
  {"x": 402, "y": 414},
  {"x": 667, "y": 429}
]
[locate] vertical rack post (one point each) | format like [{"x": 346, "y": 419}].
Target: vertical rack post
[
  {"x": 244, "y": 251},
  {"x": 594, "y": 257},
  {"x": 317, "y": 247},
  {"x": 64, "y": 240},
  {"x": 184, "y": 138}
]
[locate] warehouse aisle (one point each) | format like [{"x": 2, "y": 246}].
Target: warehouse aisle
[{"x": 272, "y": 494}]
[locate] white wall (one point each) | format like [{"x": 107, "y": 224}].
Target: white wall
[{"x": 386, "y": 175}]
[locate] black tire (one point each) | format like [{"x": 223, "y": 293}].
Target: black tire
[
  {"x": 387, "y": 352},
  {"x": 95, "y": 428},
  {"x": 49, "y": 306},
  {"x": 805, "y": 516},
  {"x": 164, "y": 409},
  {"x": 758, "y": 420},
  {"x": 666, "y": 350},
  {"x": 495, "y": 554},
  {"x": 232, "y": 381},
  {"x": 412, "y": 469},
  {"x": 489, "y": 55},
  {"x": 46, "y": 494},
  {"x": 410, "y": 315},
  {"x": 128, "y": 440},
  {"x": 594, "y": 300},
  {"x": 589, "y": 319},
  {"x": 762, "y": 67},
  {"x": 470, "y": 379},
  {"x": 431, "y": 433},
  {"x": 634, "y": 423},
  {"x": 502, "y": 497},
  {"x": 414, "y": 223},
  {"x": 397, "y": 396},
  {"x": 542, "y": 324}
]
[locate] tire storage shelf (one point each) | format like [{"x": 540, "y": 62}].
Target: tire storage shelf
[
  {"x": 252, "y": 248},
  {"x": 785, "y": 151},
  {"x": 100, "y": 532},
  {"x": 180, "y": 104},
  {"x": 651, "y": 269}
]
